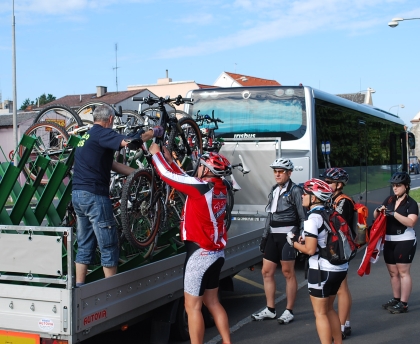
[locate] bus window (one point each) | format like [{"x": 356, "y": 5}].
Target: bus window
[{"x": 254, "y": 112}]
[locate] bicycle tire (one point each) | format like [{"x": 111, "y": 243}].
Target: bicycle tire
[
  {"x": 140, "y": 222},
  {"x": 60, "y": 114},
  {"x": 176, "y": 144},
  {"x": 85, "y": 112},
  {"x": 51, "y": 141},
  {"x": 179, "y": 114}
]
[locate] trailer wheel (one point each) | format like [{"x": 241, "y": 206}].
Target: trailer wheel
[{"x": 179, "y": 329}]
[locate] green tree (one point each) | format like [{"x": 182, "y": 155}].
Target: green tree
[{"x": 25, "y": 104}]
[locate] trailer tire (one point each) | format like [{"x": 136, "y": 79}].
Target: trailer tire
[{"x": 179, "y": 329}]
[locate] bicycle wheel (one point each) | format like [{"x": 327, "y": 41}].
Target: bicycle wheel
[
  {"x": 60, "y": 114},
  {"x": 131, "y": 118},
  {"x": 140, "y": 215},
  {"x": 192, "y": 133},
  {"x": 51, "y": 141},
  {"x": 85, "y": 112},
  {"x": 179, "y": 114}
]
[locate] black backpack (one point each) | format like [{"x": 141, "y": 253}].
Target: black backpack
[{"x": 340, "y": 246}]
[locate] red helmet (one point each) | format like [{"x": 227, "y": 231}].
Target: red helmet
[
  {"x": 318, "y": 188},
  {"x": 216, "y": 163}
]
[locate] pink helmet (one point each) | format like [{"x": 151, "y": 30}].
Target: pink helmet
[{"x": 318, "y": 188}]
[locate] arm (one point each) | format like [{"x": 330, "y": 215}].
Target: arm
[
  {"x": 144, "y": 137},
  {"x": 297, "y": 193},
  {"x": 308, "y": 246},
  {"x": 121, "y": 168},
  {"x": 408, "y": 221}
]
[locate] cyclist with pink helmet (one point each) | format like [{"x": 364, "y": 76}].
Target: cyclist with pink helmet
[
  {"x": 324, "y": 278},
  {"x": 204, "y": 234}
]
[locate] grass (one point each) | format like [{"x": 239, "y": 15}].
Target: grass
[{"x": 415, "y": 194}]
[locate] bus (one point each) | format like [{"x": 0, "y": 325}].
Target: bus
[{"x": 315, "y": 129}]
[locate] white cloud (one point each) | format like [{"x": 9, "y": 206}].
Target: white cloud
[{"x": 273, "y": 19}]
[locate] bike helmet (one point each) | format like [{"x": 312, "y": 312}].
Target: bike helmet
[
  {"x": 400, "y": 178},
  {"x": 337, "y": 174},
  {"x": 318, "y": 188},
  {"x": 216, "y": 163},
  {"x": 287, "y": 164}
]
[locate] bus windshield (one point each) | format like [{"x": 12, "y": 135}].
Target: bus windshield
[{"x": 254, "y": 112}]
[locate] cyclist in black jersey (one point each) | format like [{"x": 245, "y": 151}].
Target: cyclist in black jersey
[
  {"x": 400, "y": 240},
  {"x": 337, "y": 178}
]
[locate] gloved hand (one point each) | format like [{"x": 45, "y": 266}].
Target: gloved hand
[
  {"x": 389, "y": 213},
  {"x": 291, "y": 238},
  {"x": 157, "y": 131},
  {"x": 262, "y": 244},
  {"x": 135, "y": 144}
]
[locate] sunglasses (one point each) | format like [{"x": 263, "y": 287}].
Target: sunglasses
[
  {"x": 330, "y": 182},
  {"x": 396, "y": 185},
  {"x": 279, "y": 171}
]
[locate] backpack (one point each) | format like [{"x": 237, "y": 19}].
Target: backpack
[
  {"x": 340, "y": 247},
  {"x": 360, "y": 216}
]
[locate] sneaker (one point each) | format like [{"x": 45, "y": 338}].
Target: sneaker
[
  {"x": 346, "y": 333},
  {"x": 286, "y": 317},
  {"x": 265, "y": 314},
  {"x": 390, "y": 303},
  {"x": 398, "y": 308}
]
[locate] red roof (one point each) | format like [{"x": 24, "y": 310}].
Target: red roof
[
  {"x": 252, "y": 81},
  {"x": 201, "y": 86},
  {"x": 109, "y": 98}
]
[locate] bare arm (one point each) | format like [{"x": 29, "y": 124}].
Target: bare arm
[
  {"x": 121, "y": 168},
  {"x": 308, "y": 246}
]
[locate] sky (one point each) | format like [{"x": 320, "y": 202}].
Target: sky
[{"x": 67, "y": 47}]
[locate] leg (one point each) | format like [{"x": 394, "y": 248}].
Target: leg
[
  {"x": 288, "y": 269},
  {"x": 211, "y": 300},
  {"x": 193, "y": 306},
  {"x": 320, "y": 307},
  {"x": 405, "y": 281},
  {"x": 81, "y": 271},
  {"x": 268, "y": 270},
  {"x": 344, "y": 302},
  {"x": 334, "y": 321},
  {"x": 395, "y": 280},
  {"x": 109, "y": 271}
]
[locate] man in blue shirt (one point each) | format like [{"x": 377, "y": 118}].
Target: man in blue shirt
[{"x": 94, "y": 160}]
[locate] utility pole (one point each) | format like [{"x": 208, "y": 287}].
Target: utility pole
[
  {"x": 116, "y": 66},
  {"x": 15, "y": 131}
]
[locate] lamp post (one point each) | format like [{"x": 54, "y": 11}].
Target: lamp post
[
  {"x": 395, "y": 21},
  {"x": 242, "y": 78},
  {"x": 398, "y": 105}
]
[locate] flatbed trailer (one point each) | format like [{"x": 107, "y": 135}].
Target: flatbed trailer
[{"x": 44, "y": 304}]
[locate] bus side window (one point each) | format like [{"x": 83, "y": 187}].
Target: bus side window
[{"x": 411, "y": 140}]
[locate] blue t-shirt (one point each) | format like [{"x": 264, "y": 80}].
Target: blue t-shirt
[{"x": 93, "y": 160}]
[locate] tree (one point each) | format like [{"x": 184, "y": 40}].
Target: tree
[
  {"x": 41, "y": 100},
  {"x": 25, "y": 104}
]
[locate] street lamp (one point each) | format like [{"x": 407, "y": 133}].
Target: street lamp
[
  {"x": 398, "y": 105},
  {"x": 242, "y": 78},
  {"x": 395, "y": 21}
]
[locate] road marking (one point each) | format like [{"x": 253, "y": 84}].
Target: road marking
[
  {"x": 248, "y": 319},
  {"x": 246, "y": 280}
]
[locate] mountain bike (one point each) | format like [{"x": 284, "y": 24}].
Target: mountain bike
[{"x": 211, "y": 143}]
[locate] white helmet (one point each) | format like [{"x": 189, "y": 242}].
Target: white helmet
[{"x": 287, "y": 164}]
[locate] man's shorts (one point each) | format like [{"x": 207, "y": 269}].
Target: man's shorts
[
  {"x": 201, "y": 269},
  {"x": 277, "y": 248},
  {"x": 95, "y": 227},
  {"x": 399, "y": 252},
  {"x": 324, "y": 283}
]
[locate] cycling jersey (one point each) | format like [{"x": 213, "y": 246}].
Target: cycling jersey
[
  {"x": 205, "y": 206},
  {"x": 314, "y": 227},
  {"x": 395, "y": 230}
]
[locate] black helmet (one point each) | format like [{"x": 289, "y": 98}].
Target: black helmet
[
  {"x": 400, "y": 178},
  {"x": 337, "y": 174}
]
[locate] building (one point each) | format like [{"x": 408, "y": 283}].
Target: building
[{"x": 227, "y": 79}]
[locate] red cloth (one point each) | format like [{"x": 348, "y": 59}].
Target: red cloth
[{"x": 377, "y": 238}]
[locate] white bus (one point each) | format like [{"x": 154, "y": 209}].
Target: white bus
[{"x": 314, "y": 129}]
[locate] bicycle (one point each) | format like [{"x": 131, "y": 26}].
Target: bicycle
[{"x": 211, "y": 143}]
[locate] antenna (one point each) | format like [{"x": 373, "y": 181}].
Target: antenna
[{"x": 116, "y": 66}]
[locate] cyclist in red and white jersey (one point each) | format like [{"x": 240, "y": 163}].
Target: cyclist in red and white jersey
[{"x": 204, "y": 234}]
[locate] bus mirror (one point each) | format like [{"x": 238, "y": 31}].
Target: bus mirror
[{"x": 411, "y": 140}]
